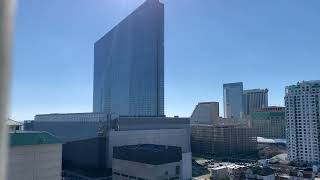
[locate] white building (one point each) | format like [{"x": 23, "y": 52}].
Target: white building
[
  {"x": 34, "y": 156},
  {"x": 120, "y": 131},
  {"x": 167, "y": 137},
  {"x": 302, "y": 115},
  {"x": 147, "y": 161},
  {"x": 13, "y": 125},
  {"x": 205, "y": 113}
]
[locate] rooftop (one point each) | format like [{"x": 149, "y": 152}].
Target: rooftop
[
  {"x": 11, "y": 122},
  {"x": 24, "y": 138},
  {"x": 148, "y": 153},
  {"x": 222, "y": 165},
  {"x": 272, "y": 109},
  {"x": 211, "y": 102},
  {"x": 266, "y": 114},
  {"x": 313, "y": 84},
  {"x": 262, "y": 171},
  {"x": 271, "y": 141},
  {"x": 233, "y": 84},
  {"x": 254, "y": 90},
  {"x": 300, "y": 173}
]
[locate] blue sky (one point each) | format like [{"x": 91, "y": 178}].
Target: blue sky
[{"x": 264, "y": 44}]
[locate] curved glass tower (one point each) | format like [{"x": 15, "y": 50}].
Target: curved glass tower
[
  {"x": 129, "y": 65},
  {"x": 232, "y": 100}
]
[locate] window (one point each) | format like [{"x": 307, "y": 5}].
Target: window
[
  {"x": 116, "y": 173},
  {"x": 177, "y": 170},
  {"x": 124, "y": 175}
]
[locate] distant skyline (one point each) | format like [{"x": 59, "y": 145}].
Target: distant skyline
[{"x": 264, "y": 44}]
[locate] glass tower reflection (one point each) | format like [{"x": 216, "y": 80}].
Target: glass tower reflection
[{"x": 129, "y": 65}]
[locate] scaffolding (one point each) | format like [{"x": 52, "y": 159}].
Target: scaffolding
[{"x": 223, "y": 140}]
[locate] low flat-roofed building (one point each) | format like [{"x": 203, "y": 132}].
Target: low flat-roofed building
[
  {"x": 86, "y": 116},
  {"x": 34, "y": 155},
  {"x": 169, "y": 137},
  {"x": 68, "y": 131},
  {"x": 13, "y": 125},
  {"x": 71, "y": 126},
  {"x": 120, "y": 131},
  {"x": 297, "y": 174},
  {"x": 220, "y": 172},
  {"x": 147, "y": 161},
  {"x": 229, "y": 171},
  {"x": 127, "y": 123},
  {"x": 78, "y": 126},
  {"x": 223, "y": 140},
  {"x": 260, "y": 173},
  {"x": 85, "y": 160}
]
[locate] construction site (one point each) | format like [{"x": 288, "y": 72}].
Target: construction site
[{"x": 223, "y": 140}]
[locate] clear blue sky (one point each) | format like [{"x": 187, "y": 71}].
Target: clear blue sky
[{"x": 263, "y": 43}]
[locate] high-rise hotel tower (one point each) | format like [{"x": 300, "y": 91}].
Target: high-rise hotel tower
[
  {"x": 303, "y": 122},
  {"x": 129, "y": 65}
]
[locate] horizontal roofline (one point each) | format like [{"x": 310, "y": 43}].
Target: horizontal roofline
[{"x": 255, "y": 90}]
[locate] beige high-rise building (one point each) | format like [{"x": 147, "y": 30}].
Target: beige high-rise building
[
  {"x": 254, "y": 100},
  {"x": 205, "y": 113}
]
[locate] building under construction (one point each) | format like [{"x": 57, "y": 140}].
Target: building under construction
[
  {"x": 269, "y": 123},
  {"x": 223, "y": 140}
]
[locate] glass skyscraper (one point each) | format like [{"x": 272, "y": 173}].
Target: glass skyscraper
[
  {"x": 232, "y": 99},
  {"x": 129, "y": 65}
]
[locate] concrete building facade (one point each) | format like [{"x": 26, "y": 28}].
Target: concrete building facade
[
  {"x": 254, "y": 100},
  {"x": 34, "y": 155},
  {"x": 171, "y": 137},
  {"x": 205, "y": 113},
  {"x": 78, "y": 126},
  {"x": 232, "y": 99},
  {"x": 119, "y": 131},
  {"x": 270, "y": 124},
  {"x": 71, "y": 126},
  {"x": 147, "y": 161},
  {"x": 261, "y": 173},
  {"x": 234, "y": 141},
  {"x": 302, "y": 115},
  {"x": 223, "y": 140},
  {"x": 202, "y": 139},
  {"x": 129, "y": 65}
]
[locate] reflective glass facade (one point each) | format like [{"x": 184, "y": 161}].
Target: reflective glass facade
[
  {"x": 129, "y": 65},
  {"x": 232, "y": 100}
]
